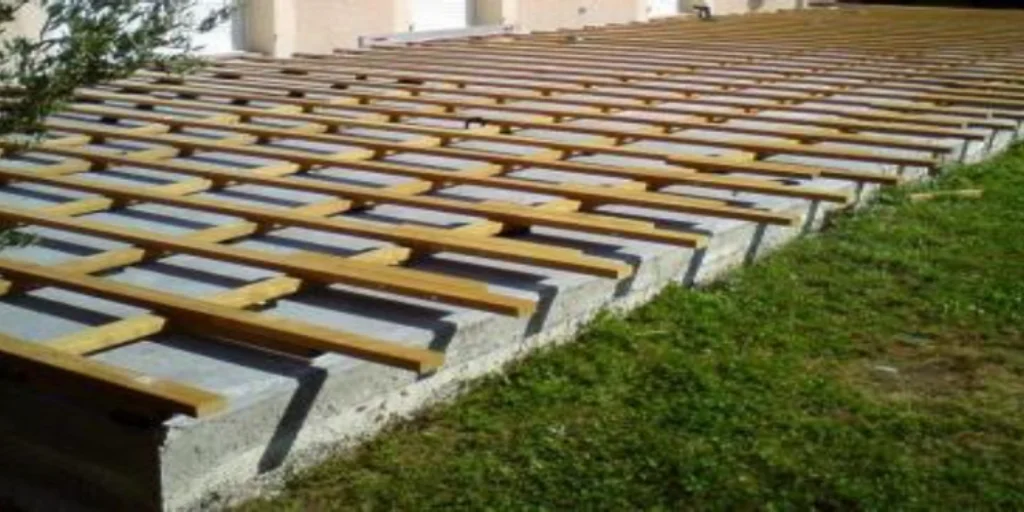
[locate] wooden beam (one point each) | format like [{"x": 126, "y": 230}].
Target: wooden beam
[
  {"x": 598, "y": 224},
  {"x": 593, "y": 194},
  {"x": 225, "y": 322},
  {"x": 80, "y": 378},
  {"x": 128, "y": 330},
  {"x": 461, "y": 292},
  {"x": 420, "y": 238}
]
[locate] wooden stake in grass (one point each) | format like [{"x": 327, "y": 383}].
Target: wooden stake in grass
[{"x": 968, "y": 193}]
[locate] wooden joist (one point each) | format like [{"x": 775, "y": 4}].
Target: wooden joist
[
  {"x": 569, "y": 86},
  {"x": 461, "y": 292},
  {"x": 417, "y": 237},
  {"x": 39, "y": 366},
  {"x": 226, "y": 322},
  {"x": 592, "y": 110},
  {"x": 506, "y": 213},
  {"x": 593, "y": 194},
  {"x": 656, "y": 176},
  {"x": 134, "y": 328},
  {"x": 885, "y": 112},
  {"x": 640, "y": 79}
]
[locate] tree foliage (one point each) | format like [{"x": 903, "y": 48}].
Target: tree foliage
[{"x": 85, "y": 42}]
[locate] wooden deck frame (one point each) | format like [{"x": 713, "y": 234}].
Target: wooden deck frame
[
  {"x": 508, "y": 214},
  {"x": 647, "y": 68},
  {"x": 931, "y": 75},
  {"x": 622, "y": 70},
  {"x": 424, "y": 72},
  {"x": 839, "y": 124},
  {"x": 904, "y": 31},
  {"x": 707, "y": 164},
  {"x": 82, "y": 379},
  {"x": 907, "y": 39},
  {"x": 850, "y": 96},
  {"x": 846, "y": 130},
  {"x": 645, "y": 176},
  {"x": 419, "y": 238},
  {"x": 241, "y": 326},
  {"x": 848, "y": 64},
  {"x": 900, "y": 113},
  {"x": 757, "y": 147}
]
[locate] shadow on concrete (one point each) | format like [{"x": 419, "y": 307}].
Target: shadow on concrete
[
  {"x": 295, "y": 414},
  {"x": 694, "y": 266},
  {"x": 812, "y": 217},
  {"x": 753, "y": 249}
]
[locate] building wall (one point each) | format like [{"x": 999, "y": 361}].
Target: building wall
[
  {"x": 496, "y": 12},
  {"x": 550, "y": 15},
  {"x": 323, "y": 25},
  {"x": 27, "y": 23},
  {"x": 748, "y": 6},
  {"x": 282, "y": 27}
]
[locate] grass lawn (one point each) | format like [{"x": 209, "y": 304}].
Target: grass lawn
[{"x": 879, "y": 365}]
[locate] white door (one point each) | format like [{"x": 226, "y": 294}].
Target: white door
[
  {"x": 439, "y": 14},
  {"x": 657, "y": 8},
  {"x": 226, "y": 36}
]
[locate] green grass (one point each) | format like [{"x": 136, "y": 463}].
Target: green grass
[{"x": 878, "y": 366}]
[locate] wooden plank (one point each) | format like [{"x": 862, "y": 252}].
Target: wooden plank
[
  {"x": 226, "y": 322},
  {"x": 117, "y": 258},
  {"x": 80, "y": 378},
  {"x": 183, "y": 188},
  {"x": 608, "y": 75},
  {"x": 79, "y": 207},
  {"x": 759, "y": 146},
  {"x": 660, "y": 177},
  {"x": 598, "y": 224},
  {"x": 323, "y": 208},
  {"x": 128, "y": 330},
  {"x": 979, "y": 119},
  {"x": 592, "y": 109},
  {"x": 751, "y": 167},
  {"x": 501, "y": 79},
  {"x": 108, "y": 336},
  {"x": 456, "y": 291},
  {"x": 420, "y": 238},
  {"x": 593, "y": 194},
  {"x": 104, "y": 261},
  {"x": 621, "y": 69},
  {"x": 384, "y": 255}
]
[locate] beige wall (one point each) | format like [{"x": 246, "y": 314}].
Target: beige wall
[
  {"x": 747, "y": 6},
  {"x": 282, "y": 27},
  {"x": 270, "y": 26},
  {"x": 27, "y": 23},
  {"x": 319, "y": 26},
  {"x": 323, "y": 25},
  {"x": 550, "y": 15},
  {"x": 496, "y": 12}
]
